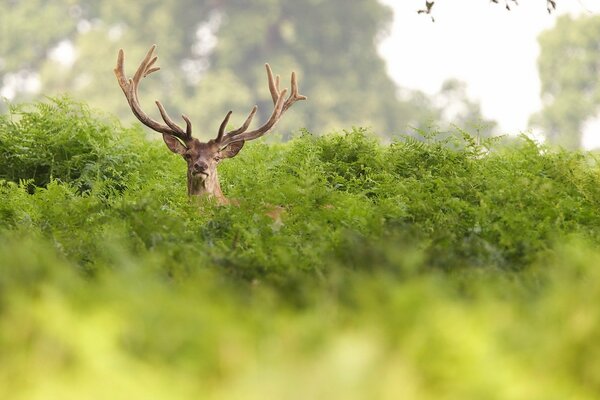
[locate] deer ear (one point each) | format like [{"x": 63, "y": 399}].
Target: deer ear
[
  {"x": 232, "y": 150},
  {"x": 174, "y": 144}
]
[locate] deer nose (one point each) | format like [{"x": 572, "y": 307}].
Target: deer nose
[{"x": 200, "y": 166}]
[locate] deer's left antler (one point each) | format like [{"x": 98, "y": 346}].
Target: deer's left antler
[{"x": 280, "y": 106}]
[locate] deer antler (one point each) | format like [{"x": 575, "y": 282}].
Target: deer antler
[
  {"x": 130, "y": 89},
  {"x": 280, "y": 106}
]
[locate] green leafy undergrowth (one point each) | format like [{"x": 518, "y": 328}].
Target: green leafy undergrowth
[
  {"x": 425, "y": 268},
  {"x": 463, "y": 204},
  {"x": 67, "y": 142}
]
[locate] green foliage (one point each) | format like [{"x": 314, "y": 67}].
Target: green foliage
[
  {"x": 60, "y": 140},
  {"x": 29, "y": 20},
  {"x": 447, "y": 267}
]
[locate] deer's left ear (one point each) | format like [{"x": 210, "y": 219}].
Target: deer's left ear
[
  {"x": 174, "y": 144},
  {"x": 232, "y": 150}
]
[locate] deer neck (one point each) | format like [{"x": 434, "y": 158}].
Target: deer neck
[{"x": 206, "y": 187}]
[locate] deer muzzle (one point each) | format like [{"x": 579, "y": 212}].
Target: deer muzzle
[{"x": 200, "y": 167}]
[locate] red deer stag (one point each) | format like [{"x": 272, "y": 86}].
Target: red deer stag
[{"x": 202, "y": 158}]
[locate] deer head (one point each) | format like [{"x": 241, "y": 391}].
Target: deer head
[{"x": 202, "y": 158}]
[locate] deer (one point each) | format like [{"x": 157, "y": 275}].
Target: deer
[{"x": 203, "y": 157}]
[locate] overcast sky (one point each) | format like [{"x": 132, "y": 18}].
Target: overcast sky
[{"x": 493, "y": 50}]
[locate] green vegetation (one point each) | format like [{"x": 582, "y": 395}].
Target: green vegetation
[{"x": 433, "y": 269}]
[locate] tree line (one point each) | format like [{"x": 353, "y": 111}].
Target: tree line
[{"x": 212, "y": 52}]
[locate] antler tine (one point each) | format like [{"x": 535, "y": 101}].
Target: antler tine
[
  {"x": 149, "y": 68},
  {"x": 259, "y": 131},
  {"x": 246, "y": 124},
  {"x": 237, "y": 131},
  {"x": 273, "y": 84},
  {"x": 184, "y": 135},
  {"x": 147, "y": 61},
  {"x": 276, "y": 92},
  {"x": 294, "y": 95},
  {"x": 270, "y": 122},
  {"x": 223, "y": 126},
  {"x": 188, "y": 125},
  {"x": 120, "y": 72},
  {"x": 130, "y": 89}
]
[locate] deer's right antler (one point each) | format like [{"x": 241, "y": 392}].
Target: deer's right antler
[{"x": 130, "y": 89}]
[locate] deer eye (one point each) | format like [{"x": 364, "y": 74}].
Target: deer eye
[{"x": 187, "y": 156}]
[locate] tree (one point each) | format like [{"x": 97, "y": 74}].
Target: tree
[
  {"x": 458, "y": 109},
  {"x": 212, "y": 54},
  {"x": 26, "y": 36},
  {"x": 569, "y": 63}
]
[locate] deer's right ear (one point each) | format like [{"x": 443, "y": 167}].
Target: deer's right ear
[{"x": 174, "y": 144}]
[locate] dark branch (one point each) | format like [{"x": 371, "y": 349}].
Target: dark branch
[{"x": 550, "y": 6}]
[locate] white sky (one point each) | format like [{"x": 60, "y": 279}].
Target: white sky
[{"x": 493, "y": 50}]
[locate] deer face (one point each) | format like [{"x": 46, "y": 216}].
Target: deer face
[{"x": 202, "y": 158}]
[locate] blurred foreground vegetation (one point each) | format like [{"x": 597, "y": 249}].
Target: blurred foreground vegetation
[{"x": 447, "y": 268}]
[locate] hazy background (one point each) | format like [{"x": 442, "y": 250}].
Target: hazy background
[
  {"x": 494, "y": 51},
  {"x": 368, "y": 63}
]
